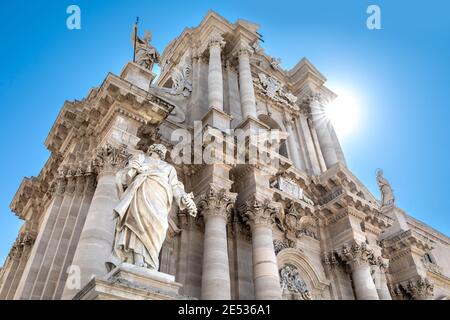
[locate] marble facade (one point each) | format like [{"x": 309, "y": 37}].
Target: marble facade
[{"x": 306, "y": 229}]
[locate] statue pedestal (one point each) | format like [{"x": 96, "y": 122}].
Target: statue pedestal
[
  {"x": 130, "y": 282},
  {"x": 137, "y": 75}
]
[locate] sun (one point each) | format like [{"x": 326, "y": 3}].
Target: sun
[{"x": 344, "y": 112}]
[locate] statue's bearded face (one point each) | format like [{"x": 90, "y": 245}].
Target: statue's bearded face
[{"x": 157, "y": 149}]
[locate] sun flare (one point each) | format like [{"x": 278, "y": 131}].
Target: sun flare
[{"x": 344, "y": 112}]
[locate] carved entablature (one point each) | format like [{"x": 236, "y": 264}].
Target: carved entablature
[
  {"x": 406, "y": 241},
  {"x": 274, "y": 90},
  {"x": 338, "y": 188},
  {"x": 290, "y": 186},
  {"x": 216, "y": 202},
  {"x": 295, "y": 225},
  {"x": 291, "y": 281}
]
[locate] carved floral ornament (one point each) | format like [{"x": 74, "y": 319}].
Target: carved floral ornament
[
  {"x": 291, "y": 281},
  {"x": 294, "y": 225},
  {"x": 25, "y": 239},
  {"x": 182, "y": 78},
  {"x": 274, "y": 90}
]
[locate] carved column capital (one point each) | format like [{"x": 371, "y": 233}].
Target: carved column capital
[
  {"x": 420, "y": 288},
  {"x": 357, "y": 255},
  {"x": 256, "y": 212},
  {"x": 110, "y": 158},
  {"x": 244, "y": 50},
  {"x": 216, "y": 41},
  {"x": 216, "y": 202},
  {"x": 382, "y": 263}
]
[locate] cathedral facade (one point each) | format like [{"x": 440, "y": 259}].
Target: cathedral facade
[{"x": 299, "y": 226}]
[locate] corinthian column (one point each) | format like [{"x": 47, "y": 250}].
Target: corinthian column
[
  {"x": 265, "y": 270},
  {"x": 97, "y": 236},
  {"x": 248, "y": 101},
  {"x": 215, "y": 207},
  {"x": 357, "y": 256},
  {"x": 215, "y": 81}
]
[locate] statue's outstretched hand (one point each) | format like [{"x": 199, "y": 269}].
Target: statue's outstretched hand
[{"x": 188, "y": 201}]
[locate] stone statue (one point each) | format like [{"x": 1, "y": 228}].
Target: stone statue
[
  {"x": 151, "y": 185},
  {"x": 145, "y": 54},
  {"x": 387, "y": 194}
]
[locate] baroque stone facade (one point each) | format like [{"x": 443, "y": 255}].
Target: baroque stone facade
[{"x": 305, "y": 229}]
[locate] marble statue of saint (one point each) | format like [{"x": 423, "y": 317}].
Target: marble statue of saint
[
  {"x": 147, "y": 188},
  {"x": 387, "y": 194},
  {"x": 145, "y": 54}
]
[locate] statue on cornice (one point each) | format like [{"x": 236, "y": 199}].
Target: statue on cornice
[
  {"x": 147, "y": 187},
  {"x": 387, "y": 193},
  {"x": 145, "y": 54}
]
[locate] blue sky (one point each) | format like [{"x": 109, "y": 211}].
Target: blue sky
[{"x": 399, "y": 74}]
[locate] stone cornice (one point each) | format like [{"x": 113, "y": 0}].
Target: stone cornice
[{"x": 406, "y": 240}]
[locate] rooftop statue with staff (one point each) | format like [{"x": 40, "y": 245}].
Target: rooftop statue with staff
[{"x": 145, "y": 55}]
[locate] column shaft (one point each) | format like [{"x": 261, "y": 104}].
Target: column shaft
[
  {"x": 215, "y": 80},
  {"x": 363, "y": 283},
  {"x": 265, "y": 269},
  {"x": 216, "y": 272},
  {"x": 248, "y": 101},
  {"x": 97, "y": 237}
]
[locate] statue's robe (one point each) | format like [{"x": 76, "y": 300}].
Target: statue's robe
[{"x": 142, "y": 214}]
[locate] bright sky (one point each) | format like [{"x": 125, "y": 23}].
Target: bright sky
[{"x": 396, "y": 79}]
